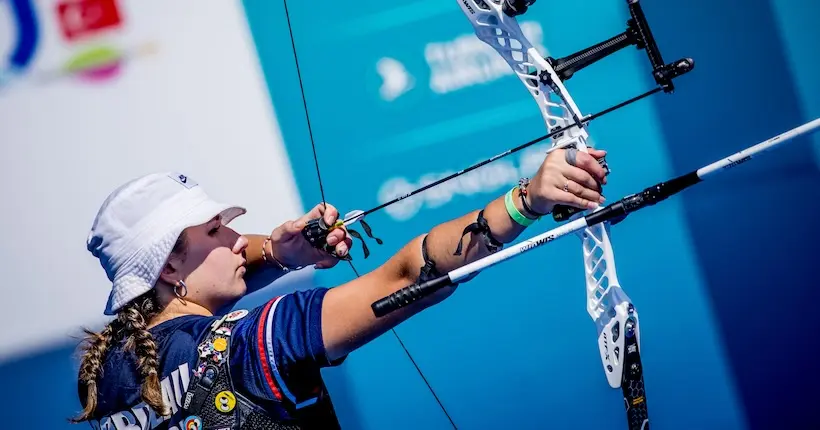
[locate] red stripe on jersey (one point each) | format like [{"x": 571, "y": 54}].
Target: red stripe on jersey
[{"x": 260, "y": 343}]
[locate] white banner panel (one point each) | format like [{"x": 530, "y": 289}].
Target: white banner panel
[{"x": 112, "y": 90}]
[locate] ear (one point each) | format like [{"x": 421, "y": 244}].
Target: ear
[{"x": 170, "y": 272}]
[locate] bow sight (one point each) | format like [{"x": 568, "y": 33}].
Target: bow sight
[{"x": 637, "y": 34}]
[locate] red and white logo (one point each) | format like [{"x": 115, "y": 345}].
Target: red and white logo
[{"x": 79, "y": 18}]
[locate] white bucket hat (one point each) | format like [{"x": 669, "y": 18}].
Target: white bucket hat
[{"x": 138, "y": 224}]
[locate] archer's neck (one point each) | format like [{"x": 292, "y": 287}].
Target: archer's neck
[{"x": 177, "y": 308}]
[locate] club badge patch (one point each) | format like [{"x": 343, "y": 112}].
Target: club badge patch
[{"x": 236, "y": 315}]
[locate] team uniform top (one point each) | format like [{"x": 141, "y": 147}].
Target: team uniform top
[{"x": 276, "y": 354}]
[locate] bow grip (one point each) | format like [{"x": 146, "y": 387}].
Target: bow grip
[{"x": 563, "y": 212}]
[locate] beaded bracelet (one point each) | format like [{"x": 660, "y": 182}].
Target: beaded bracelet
[{"x": 273, "y": 259}]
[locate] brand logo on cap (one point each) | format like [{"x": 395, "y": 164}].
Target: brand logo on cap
[{"x": 183, "y": 180}]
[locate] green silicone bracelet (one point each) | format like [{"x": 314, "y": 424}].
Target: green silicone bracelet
[{"x": 514, "y": 212}]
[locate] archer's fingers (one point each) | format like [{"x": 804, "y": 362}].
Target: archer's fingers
[
  {"x": 582, "y": 177},
  {"x": 319, "y": 211},
  {"x": 336, "y": 236},
  {"x": 330, "y": 214},
  {"x": 570, "y": 199},
  {"x": 590, "y": 164},
  {"x": 585, "y": 193},
  {"x": 314, "y": 212},
  {"x": 287, "y": 230}
]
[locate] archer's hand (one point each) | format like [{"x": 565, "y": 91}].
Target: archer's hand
[
  {"x": 559, "y": 182},
  {"x": 292, "y": 249}
]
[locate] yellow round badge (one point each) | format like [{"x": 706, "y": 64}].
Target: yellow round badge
[
  {"x": 220, "y": 344},
  {"x": 225, "y": 401}
]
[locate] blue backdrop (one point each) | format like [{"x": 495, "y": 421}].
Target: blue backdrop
[
  {"x": 398, "y": 95},
  {"x": 515, "y": 351}
]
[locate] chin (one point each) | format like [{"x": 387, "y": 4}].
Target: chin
[{"x": 241, "y": 288}]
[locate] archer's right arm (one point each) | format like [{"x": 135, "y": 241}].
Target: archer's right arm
[{"x": 347, "y": 320}]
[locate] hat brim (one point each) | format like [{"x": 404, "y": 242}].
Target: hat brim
[{"x": 143, "y": 270}]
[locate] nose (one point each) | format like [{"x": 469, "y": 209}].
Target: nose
[{"x": 240, "y": 245}]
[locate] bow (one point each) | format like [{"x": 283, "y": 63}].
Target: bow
[
  {"x": 615, "y": 317},
  {"x": 494, "y": 22},
  {"x": 611, "y": 309}
]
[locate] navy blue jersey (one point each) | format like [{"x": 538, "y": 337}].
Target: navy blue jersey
[{"x": 276, "y": 356}]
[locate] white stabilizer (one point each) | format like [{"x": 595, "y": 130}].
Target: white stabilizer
[{"x": 558, "y": 109}]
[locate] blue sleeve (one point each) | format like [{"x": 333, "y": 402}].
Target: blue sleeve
[{"x": 278, "y": 350}]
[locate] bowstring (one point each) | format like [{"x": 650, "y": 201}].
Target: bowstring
[
  {"x": 304, "y": 103},
  {"x": 324, "y": 203}
]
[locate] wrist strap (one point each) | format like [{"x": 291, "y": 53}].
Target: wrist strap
[{"x": 513, "y": 211}]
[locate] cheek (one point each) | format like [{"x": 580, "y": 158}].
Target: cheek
[{"x": 216, "y": 270}]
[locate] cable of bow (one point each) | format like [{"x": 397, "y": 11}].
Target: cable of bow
[{"x": 316, "y": 230}]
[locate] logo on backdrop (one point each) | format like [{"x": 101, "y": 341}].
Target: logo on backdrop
[
  {"x": 454, "y": 64},
  {"x": 25, "y": 46},
  {"x": 395, "y": 79},
  {"x": 491, "y": 178},
  {"x": 88, "y": 28},
  {"x": 467, "y": 61}
]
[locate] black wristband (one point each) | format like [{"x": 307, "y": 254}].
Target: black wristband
[{"x": 522, "y": 192}]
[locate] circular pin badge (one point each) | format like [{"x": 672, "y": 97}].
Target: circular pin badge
[
  {"x": 220, "y": 344},
  {"x": 236, "y": 315},
  {"x": 193, "y": 423},
  {"x": 225, "y": 401}
]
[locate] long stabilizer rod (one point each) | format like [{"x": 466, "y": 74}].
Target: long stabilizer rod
[{"x": 617, "y": 210}]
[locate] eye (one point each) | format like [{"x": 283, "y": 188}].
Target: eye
[{"x": 214, "y": 229}]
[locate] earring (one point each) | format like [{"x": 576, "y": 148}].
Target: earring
[{"x": 184, "y": 287}]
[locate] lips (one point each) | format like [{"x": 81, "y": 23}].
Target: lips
[{"x": 243, "y": 266}]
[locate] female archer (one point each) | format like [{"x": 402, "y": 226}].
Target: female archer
[{"x": 171, "y": 359}]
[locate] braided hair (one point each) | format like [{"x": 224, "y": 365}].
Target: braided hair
[{"x": 131, "y": 325}]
